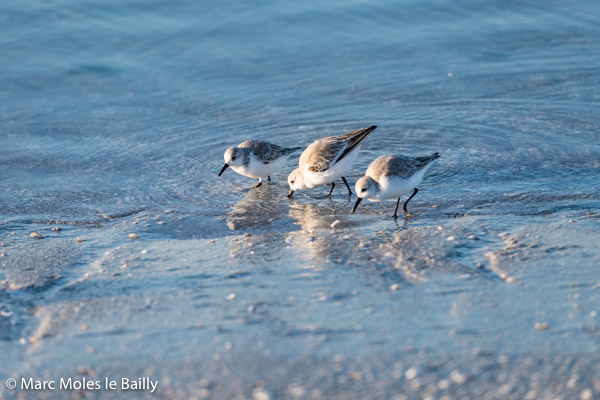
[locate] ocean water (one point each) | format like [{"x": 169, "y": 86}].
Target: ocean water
[{"x": 114, "y": 116}]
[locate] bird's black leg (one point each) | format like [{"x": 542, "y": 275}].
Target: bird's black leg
[
  {"x": 348, "y": 186},
  {"x": 406, "y": 202},
  {"x": 396, "y": 210},
  {"x": 269, "y": 178},
  {"x": 332, "y": 186},
  {"x": 259, "y": 182}
]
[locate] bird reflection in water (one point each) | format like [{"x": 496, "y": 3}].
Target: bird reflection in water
[
  {"x": 325, "y": 236},
  {"x": 259, "y": 207}
]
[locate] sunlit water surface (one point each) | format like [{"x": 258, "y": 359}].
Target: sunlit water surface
[{"x": 113, "y": 121}]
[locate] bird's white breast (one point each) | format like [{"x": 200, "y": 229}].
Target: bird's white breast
[
  {"x": 392, "y": 187},
  {"x": 258, "y": 169}
]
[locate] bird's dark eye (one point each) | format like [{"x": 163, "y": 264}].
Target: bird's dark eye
[
  {"x": 232, "y": 158},
  {"x": 363, "y": 190},
  {"x": 292, "y": 182}
]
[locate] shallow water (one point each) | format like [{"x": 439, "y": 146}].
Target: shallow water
[{"x": 114, "y": 118}]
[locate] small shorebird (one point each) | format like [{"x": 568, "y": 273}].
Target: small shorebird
[
  {"x": 327, "y": 160},
  {"x": 256, "y": 159},
  {"x": 390, "y": 177}
]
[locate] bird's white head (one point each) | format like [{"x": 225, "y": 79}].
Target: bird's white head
[
  {"x": 366, "y": 188},
  {"x": 296, "y": 181},
  {"x": 234, "y": 157}
]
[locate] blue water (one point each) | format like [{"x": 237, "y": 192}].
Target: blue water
[{"x": 114, "y": 117}]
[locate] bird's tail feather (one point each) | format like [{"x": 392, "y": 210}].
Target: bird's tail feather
[
  {"x": 356, "y": 138},
  {"x": 427, "y": 159}
]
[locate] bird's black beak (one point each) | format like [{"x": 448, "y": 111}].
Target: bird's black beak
[
  {"x": 224, "y": 168},
  {"x": 291, "y": 193},
  {"x": 356, "y": 205}
]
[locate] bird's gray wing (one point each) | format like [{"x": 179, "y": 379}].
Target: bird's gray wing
[
  {"x": 398, "y": 166},
  {"x": 266, "y": 151},
  {"x": 320, "y": 155},
  {"x": 324, "y": 153}
]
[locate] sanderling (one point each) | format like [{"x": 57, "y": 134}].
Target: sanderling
[
  {"x": 327, "y": 159},
  {"x": 256, "y": 159},
  {"x": 391, "y": 177}
]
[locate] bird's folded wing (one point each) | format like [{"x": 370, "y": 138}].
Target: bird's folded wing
[
  {"x": 264, "y": 150},
  {"x": 326, "y": 152},
  {"x": 323, "y": 153},
  {"x": 354, "y": 139}
]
